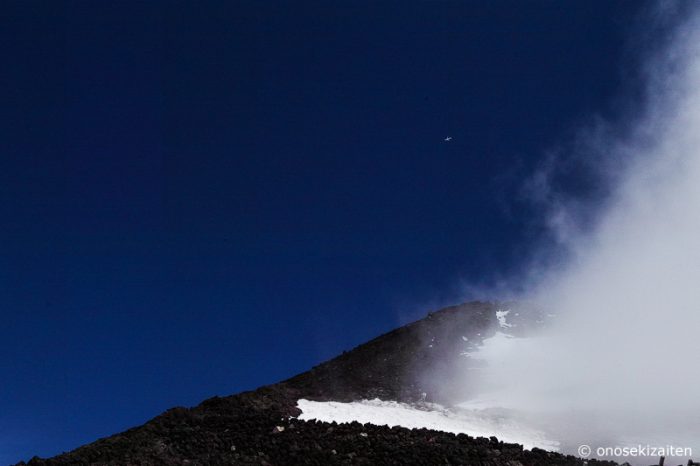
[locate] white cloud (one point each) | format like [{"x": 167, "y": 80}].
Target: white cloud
[{"x": 623, "y": 362}]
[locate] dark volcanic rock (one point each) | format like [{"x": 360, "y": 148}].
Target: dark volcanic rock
[
  {"x": 259, "y": 427},
  {"x": 406, "y": 364}
]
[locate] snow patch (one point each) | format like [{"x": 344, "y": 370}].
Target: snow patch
[
  {"x": 501, "y": 316},
  {"x": 472, "y": 422}
]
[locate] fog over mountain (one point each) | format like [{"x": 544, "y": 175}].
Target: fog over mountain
[
  {"x": 594, "y": 342},
  {"x": 619, "y": 363}
]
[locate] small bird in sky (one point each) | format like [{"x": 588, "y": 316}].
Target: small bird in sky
[{"x": 448, "y": 138}]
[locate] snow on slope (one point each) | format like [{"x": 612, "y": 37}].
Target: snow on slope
[
  {"x": 501, "y": 316},
  {"x": 490, "y": 414},
  {"x": 473, "y": 422}
]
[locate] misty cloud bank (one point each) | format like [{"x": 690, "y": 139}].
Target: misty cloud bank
[{"x": 621, "y": 364}]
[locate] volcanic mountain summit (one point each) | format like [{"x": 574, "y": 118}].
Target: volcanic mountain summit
[{"x": 399, "y": 378}]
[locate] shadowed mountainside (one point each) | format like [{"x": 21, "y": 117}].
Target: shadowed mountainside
[{"x": 259, "y": 427}]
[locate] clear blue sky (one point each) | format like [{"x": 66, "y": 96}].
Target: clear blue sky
[{"x": 198, "y": 198}]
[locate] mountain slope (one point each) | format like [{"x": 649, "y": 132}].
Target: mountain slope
[{"x": 260, "y": 427}]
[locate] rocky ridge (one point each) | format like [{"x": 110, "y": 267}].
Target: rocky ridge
[{"x": 260, "y": 427}]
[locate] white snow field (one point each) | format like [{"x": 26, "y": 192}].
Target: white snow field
[{"x": 473, "y": 422}]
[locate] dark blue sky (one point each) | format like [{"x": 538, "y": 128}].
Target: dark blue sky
[{"x": 201, "y": 198}]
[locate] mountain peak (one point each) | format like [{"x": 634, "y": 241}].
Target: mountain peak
[{"x": 405, "y": 365}]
